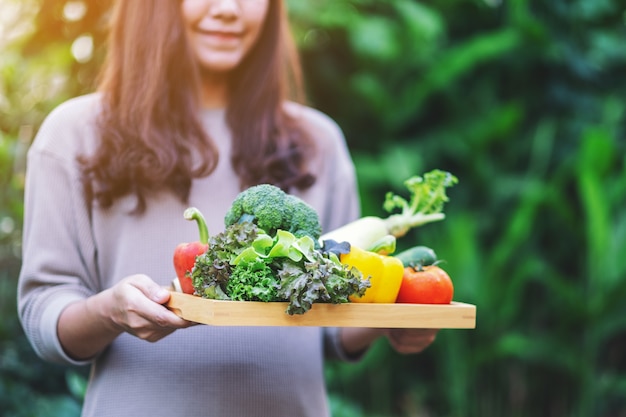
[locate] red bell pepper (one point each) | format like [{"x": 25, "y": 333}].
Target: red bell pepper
[{"x": 185, "y": 253}]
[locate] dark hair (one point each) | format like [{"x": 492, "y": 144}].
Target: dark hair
[{"x": 150, "y": 128}]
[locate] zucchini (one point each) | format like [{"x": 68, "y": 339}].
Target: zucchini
[{"x": 417, "y": 256}]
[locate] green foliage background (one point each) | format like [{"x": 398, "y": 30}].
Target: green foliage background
[{"x": 522, "y": 100}]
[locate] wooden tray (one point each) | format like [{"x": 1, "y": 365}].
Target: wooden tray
[{"x": 250, "y": 313}]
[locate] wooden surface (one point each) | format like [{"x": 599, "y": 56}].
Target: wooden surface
[{"x": 249, "y": 313}]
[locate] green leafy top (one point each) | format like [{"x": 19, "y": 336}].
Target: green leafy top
[
  {"x": 428, "y": 196},
  {"x": 245, "y": 263}
]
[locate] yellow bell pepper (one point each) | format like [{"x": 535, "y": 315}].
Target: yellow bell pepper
[
  {"x": 384, "y": 272},
  {"x": 392, "y": 280}
]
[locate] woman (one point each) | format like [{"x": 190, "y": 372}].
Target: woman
[{"x": 191, "y": 109}]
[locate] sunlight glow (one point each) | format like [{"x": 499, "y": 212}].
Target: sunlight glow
[
  {"x": 74, "y": 10},
  {"x": 82, "y": 48},
  {"x": 16, "y": 19}
]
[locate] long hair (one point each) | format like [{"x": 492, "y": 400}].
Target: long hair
[
  {"x": 258, "y": 90},
  {"x": 150, "y": 130}
]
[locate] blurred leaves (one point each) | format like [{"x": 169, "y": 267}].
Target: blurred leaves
[{"x": 523, "y": 101}]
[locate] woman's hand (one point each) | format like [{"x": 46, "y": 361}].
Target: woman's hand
[
  {"x": 134, "y": 305},
  {"x": 356, "y": 340},
  {"x": 411, "y": 340},
  {"x": 137, "y": 308}
]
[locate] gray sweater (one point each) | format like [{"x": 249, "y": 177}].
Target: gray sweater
[{"x": 71, "y": 252}]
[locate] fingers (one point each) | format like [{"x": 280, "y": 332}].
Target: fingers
[
  {"x": 139, "y": 309},
  {"x": 411, "y": 340},
  {"x": 148, "y": 287}
]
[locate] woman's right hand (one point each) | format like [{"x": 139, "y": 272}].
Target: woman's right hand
[{"x": 134, "y": 305}]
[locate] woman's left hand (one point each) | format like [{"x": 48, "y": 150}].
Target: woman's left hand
[
  {"x": 411, "y": 340},
  {"x": 355, "y": 340}
]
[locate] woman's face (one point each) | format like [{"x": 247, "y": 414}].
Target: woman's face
[{"x": 222, "y": 32}]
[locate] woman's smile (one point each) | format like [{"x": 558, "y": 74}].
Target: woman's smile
[
  {"x": 220, "y": 38},
  {"x": 221, "y": 33}
]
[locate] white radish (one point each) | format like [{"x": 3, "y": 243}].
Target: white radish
[{"x": 362, "y": 233}]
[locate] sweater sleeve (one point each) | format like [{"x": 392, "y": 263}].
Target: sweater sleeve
[{"x": 58, "y": 265}]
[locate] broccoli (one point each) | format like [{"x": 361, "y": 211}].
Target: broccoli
[
  {"x": 304, "y": 220},
  {"x": 270, "y": 208}
]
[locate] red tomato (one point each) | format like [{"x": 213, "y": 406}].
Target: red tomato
[{"x": 425, "y": 285}]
